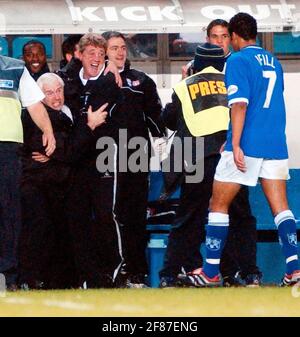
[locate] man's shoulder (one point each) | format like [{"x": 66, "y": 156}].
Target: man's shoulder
[
  {"x": 70, "y": 70},
  {"x": 108, "y": 79},
  {"x": 9, "y": 63},
  {"x": 135, "y": 74},
  {"x": 238, "y": 59},
  {"x": 138, "y": 79},
  {"x": 104, "y": 84},
  {"x": 235, "y": 57}
]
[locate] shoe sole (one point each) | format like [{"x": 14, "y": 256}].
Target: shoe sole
[
  {"x": 252, "y": 286},
  {"x": 290, "y": 284},
  {"x": 199, "y": 285}
]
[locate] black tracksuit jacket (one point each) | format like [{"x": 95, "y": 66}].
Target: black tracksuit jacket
[{"x": 142, "y": 108}]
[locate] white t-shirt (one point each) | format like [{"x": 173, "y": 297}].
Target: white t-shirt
[{"x": 29, "y": 91}]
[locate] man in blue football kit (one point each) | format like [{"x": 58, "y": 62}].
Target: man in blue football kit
[{"x": 255, "y": 148}]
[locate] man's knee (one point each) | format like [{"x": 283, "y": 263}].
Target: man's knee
[
  {"x": 223, "y": 194},
  {"x": 217, "y": 204}
]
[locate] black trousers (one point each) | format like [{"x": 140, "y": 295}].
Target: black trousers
[
  {"x": 10, "y": 209},
  {"x": 92, "y": 227},
  {"x": 45, "y": 247},
  {"x": 188, "y": 229},
  {"x": 131, "y": 210}
]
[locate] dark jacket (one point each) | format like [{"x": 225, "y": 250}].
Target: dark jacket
[
  {"x": 72, "y": 141},
  {"x": 95, "y": 93},
  {"x": 73, "y": 85},
  {"x": 141, "y": 105}
]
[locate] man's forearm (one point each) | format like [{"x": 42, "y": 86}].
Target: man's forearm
[
  {"x": 238, "y": 114},
  {"x": 40, "y": 117}
]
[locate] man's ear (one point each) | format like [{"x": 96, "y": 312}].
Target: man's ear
[
  {"x": 233, "y": 36},
  {"x": 69, "y": 57}
]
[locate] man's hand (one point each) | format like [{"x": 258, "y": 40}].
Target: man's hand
[
  {"x": 239, "y": 159},
  {"x": 111, "y": 67},
  {"x": 96, "y": 118},
  {"x": 184, "y": 71},
  {"x": 37, "y": 156},
  {"x": 222, "y": 148},
  {"x": 49, "y": 142},
  {"x": 238, "y": 115},
  {"x": 41, "y": 118}
]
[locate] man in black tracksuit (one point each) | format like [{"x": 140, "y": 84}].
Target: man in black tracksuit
[
  {"x": 208, "y": 118},
  {"x": 142, "y": 108},
  {"x": 45, "y": 187},
  {"x": 91, "y": 200}
]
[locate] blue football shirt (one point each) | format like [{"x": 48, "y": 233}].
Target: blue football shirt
[{"x": 255, "y": 76}]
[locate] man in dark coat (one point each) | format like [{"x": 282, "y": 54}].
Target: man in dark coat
[
  {"x": 45, "y": 186},
  {"x": 141, "y": 107}
]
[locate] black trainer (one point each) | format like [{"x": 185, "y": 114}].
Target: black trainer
[
  {"x": 290, "y": 279},
  {"x": 232, "y": 281},
  {"x": 136, "y": 281},
  {"x": 169, "y": 282},
  {"x": 197, "y": 278},
  {"x": 33, "y": 285},
  {"x": 253, "y": 280}
]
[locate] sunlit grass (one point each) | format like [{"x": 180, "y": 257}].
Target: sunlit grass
[{"x": 269, "y": 301}]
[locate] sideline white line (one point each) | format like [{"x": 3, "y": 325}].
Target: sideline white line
[
  {"x": 69, "y": 305},
  {"x": 17, "y": 300},
  {"x": 49, "y": 303}
]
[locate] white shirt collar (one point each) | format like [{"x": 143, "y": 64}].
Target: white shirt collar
[
  {"x": 84, "y": 81},
  {"x": 67, "y": 112},
  {"x": 253, "y": 46}
]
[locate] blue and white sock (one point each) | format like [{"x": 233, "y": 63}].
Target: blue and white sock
[
  {"x": 285, "y": 222},
  {"x": 216, "y": 234}
]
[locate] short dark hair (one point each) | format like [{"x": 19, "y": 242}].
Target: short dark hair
[
  {"x": 68, "y": 46},
  {"x": 216, "y": 22},
  {"x": 113, "y": 33},
  {"x": 244, "y": 25},
  {"x": 34, "y": 42}
]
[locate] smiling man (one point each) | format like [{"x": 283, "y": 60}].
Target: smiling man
[
  {"x": 142, "y": 108},
  {"x": 92, "y": 193},
  {"x": 92, "y": 58},
  {"x": 34, "y": 55}
]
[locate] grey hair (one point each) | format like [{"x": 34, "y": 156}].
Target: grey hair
[{"x": 49, "y": 78}]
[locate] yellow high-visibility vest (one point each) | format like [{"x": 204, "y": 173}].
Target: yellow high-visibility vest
[
  {"x": 11, "y": 129},
  {"x": 203, "y": 97}
]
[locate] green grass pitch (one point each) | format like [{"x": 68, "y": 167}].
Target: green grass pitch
[{"x": 265, "y": 301}]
